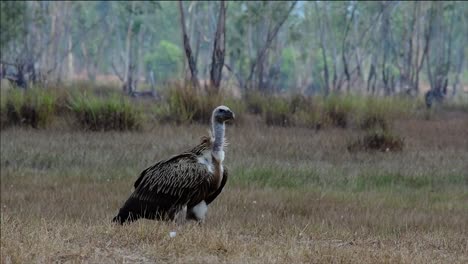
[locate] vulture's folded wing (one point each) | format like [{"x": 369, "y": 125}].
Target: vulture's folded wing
[
  {"x": 175, "y": 181},
  {"x": 213, "y": 196}
]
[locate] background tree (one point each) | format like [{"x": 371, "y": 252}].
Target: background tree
[{"x": 383, "y": 47}]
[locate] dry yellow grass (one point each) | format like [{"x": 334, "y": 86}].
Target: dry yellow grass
[{"x": 294, "y": 196}]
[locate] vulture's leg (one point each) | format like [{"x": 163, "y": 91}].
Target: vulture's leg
[
  {"x": 180, "y": 216},
  {"x": 198, "y": 212}
]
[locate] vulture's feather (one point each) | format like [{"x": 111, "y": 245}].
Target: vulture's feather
[
  {"x": 164, "y": 188},
  {"x": 184, "y": 183}
]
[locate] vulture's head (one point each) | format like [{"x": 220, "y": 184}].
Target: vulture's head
[{"x": 222, "y": 114}]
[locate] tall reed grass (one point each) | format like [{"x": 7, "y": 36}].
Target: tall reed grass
[
  {"x": 34, "y": 107},
  {"x": 107, "y": 108},
  {"x": 98, "y": 113}
]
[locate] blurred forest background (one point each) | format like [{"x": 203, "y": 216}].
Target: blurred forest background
[
  {"x": 381, "y": 47},
  {"x": 349, "y": 144}
]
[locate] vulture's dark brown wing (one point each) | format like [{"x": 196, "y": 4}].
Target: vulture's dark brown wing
[
  {"x": 213, "y": 196},
  {"x": 161, "y": 190}
]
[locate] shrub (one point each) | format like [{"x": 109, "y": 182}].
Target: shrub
[
  {"x": 114, "y": 113},
  {"x": 238, "y": 106},
  {"x": 309, "y": 118},
  {"x": 278, "y": 112},
  {"x": 381, "y": 112},
  {"x": 186, "y": 104},
  {"x": 337, "y": 110},
  {"x": 34, "y": 107},
  {"x": 306, "y": 111},
  {"x": 256, "y": 102},
  {"x": 377, "y": 140},
  {"x": 458, "y": 103}
]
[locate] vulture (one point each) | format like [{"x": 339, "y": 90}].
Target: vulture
[{"x": 182, "y": 186}]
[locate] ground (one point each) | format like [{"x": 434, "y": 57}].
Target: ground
[{"x": 294, "y": 196}]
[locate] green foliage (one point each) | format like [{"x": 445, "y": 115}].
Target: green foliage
[
  {"x": 255, "y": 102},
  {"x": 277, "y": 112},
  {"x": 166, "y": 61},
  {"x": 97, "y": 113},
  {"x": 12, "y": 15},
  {"x": 307, "y": 112},
  {"x": 288, "y": 67},
  {"x": 380, "y": 112},
  {"x": 459, "y": 103},
  {"x": 276, "y": 177},
  {"x": 186, "y": 104},
  {"x": 238, "y": 106},
  {"x": 34, "y": 107},
  {"x": 335, "y": 110},
  {"x": 390, "y": 180}
]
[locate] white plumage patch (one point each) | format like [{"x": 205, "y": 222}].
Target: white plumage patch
[
  {"x": 206, "y": 160},
  {"x": 199, "y": 210},
  {"x": 219, "y": 155}
]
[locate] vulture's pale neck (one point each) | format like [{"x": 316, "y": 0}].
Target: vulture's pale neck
[{"x": 218, "y": 133}]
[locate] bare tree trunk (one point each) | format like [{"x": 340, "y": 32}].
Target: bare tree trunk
[
  {"x": 71, "y": 70},
  {"x": 53, "y": 47},
  {"x": 441, "y": 37},
  {"x": 261, "y": 55},
  {"x": 138, "y": 60},
  {"x": 372, "y": 78},
  {"x": 217, "y": 61},
  {"x": 65, "y": 28},
  {"x": 385, "y": 37},
  {"x": 459, "y": 65},
  {"x": 344, "y": 51},
  {"x": 420, "y": 61},
  {"x": 323, "y": 49},
  {"x": 188, "y": 50},
  {"x": 330, "y": 40},
  {"x": 128, "y": 68}
]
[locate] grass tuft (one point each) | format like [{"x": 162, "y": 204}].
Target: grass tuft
[
  {"x": 113, "y": 113},
  {"x": 377, "y": 140},
  {"x": 186, "y": 104},
  {"x": 34, "y": 107}
]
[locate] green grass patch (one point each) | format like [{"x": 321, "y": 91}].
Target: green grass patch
[
  {"x": 275, "y": 177},
  {"x": 334, "y": 110},
  {"x": 103, "y": 114},
  {"x": 34, "y": 107},
  {"x": 186, "y": 104},
  {"x": 395, "y": 181}
]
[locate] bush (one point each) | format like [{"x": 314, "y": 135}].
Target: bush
[
  {"x": 186, "y": 104},
  {"x": 114, "y": 113},
  {"x": 375, "y": 113},
  {"x": 309, "y": 118},
  {"x": 337, "y": 110},
  {"x": 278, "y": 112},
  {"x": 256, "y": 102},
  {"x": 377, "y": 140},
  {"x": 239, "y": 108},
  {"x": 34, "y": 107}
]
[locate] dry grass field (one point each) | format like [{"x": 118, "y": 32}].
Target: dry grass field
[{"x": 294, "y": 196}]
